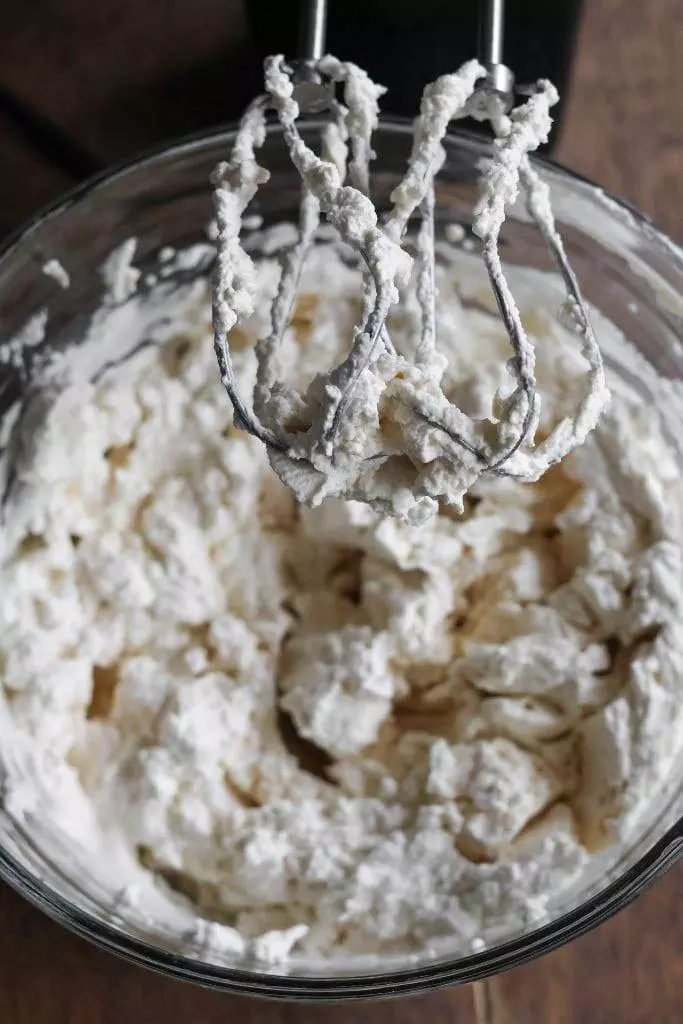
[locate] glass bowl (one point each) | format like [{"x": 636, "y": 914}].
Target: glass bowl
[{"x": 628, "y": 270}]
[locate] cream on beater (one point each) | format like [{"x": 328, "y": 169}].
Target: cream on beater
[{"x": 379, "y": 427}]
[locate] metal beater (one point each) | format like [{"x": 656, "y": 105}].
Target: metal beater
[{"x": 490, "y": 98}]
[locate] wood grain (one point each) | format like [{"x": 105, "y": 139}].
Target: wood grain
[
  {"x": 624, "y": 124},
  {"x": 119, "y": 76},
  {"x": 630, "y": 971}
]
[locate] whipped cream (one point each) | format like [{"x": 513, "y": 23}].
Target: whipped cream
[{"x": 277, "y": 731}]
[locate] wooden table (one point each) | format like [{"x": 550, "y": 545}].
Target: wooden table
[{"x": 96, "y": 81}]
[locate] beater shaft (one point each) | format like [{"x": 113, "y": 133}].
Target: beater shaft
[
  {"x": 310, "y": 92},
  {"x": 499, "y": 77},
  {"x": 313, "y": 29}
]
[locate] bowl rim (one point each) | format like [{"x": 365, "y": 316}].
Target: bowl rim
[
  {"x": 224, "y": 133},
  {"x": 617, "y": 894}
]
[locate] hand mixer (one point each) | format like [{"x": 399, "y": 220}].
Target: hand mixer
[{"x": 319, "y": 459}]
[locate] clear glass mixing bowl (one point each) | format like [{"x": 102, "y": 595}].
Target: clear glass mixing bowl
[{"x": 628, "y": 270}]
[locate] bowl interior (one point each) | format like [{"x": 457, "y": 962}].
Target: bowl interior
[{"x": 629, "y": 273}]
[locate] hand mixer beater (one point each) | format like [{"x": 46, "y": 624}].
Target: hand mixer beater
[{"x": 379, "y": 428}]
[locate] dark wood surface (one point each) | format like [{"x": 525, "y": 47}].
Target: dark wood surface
[{"x": 105, "y": 79}]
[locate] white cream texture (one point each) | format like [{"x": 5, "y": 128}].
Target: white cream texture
[{"x": 328, "y": 732}]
